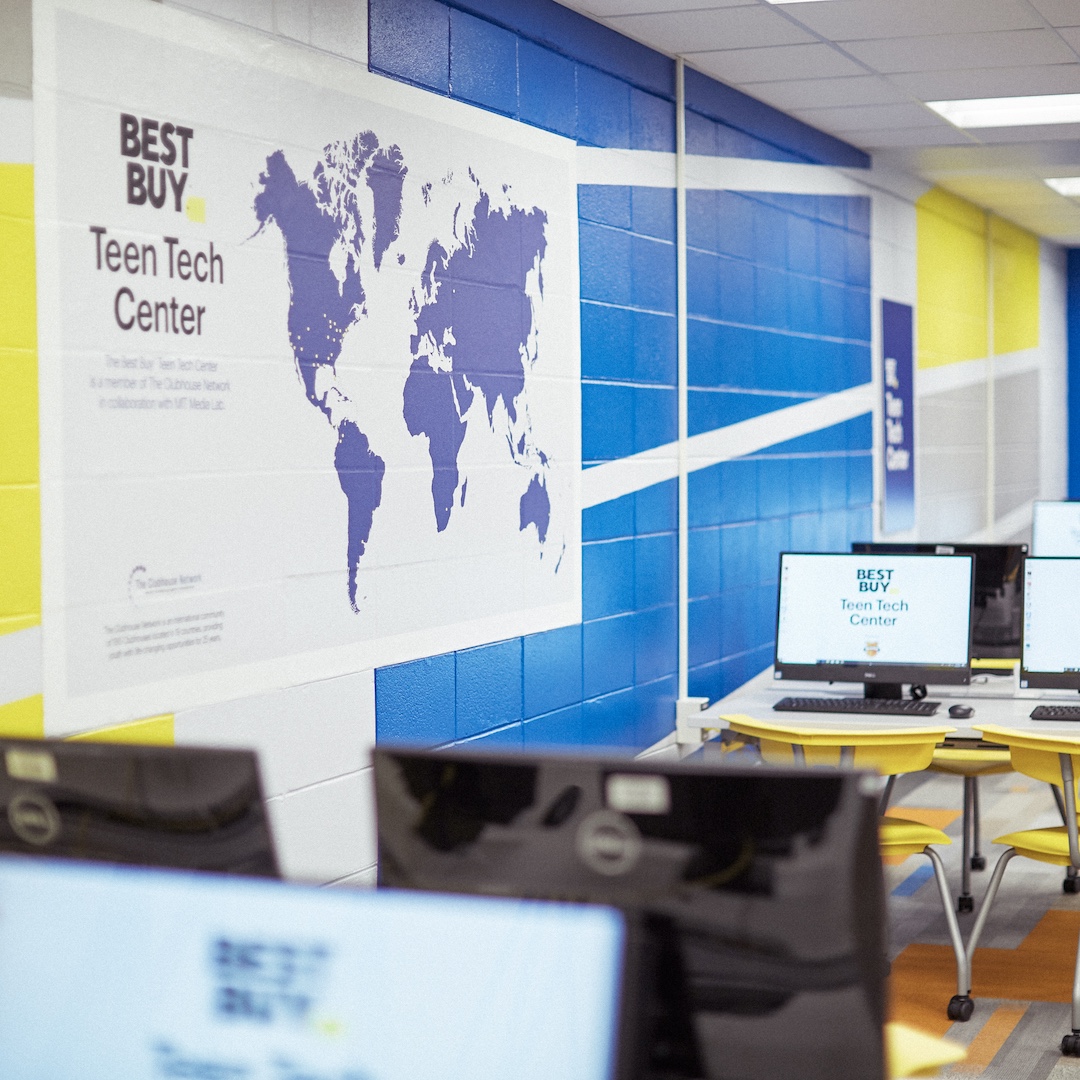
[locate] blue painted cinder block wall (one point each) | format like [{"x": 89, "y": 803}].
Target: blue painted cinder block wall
[
  {"x": 1072, "y": 309},
  {"x": 779, "y": 304}
]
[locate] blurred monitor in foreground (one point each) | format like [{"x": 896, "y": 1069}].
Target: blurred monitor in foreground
[
  {"x": 1055, "y": 530},
  {"x": 183, "y": 807},
  {"x": 997, "y": 603},
  {"x": 1051, "y": 657},
  {"x": 754, "y": 896},
  {"x": 110, "y": 972}
]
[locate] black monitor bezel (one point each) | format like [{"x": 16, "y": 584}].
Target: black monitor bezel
[
  {"x": 1043, "y": 680},
  {"x": 978, "y": 651},
  {"x": 871, "y": 674}
]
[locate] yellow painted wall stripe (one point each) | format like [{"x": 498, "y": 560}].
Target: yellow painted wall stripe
[
  {"x": 153, "y": 731},
  {"x": 23, "y": 719},
  {"x": 1015, "y": 273},
  {"x": 967, "y": 259},
  {"x": 20, "y": 515},
  {"x": 951, "y": 308}
]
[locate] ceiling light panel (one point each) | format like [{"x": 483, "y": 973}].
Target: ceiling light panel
[
  {"x": 1010, "y": 111},
  {"x": 1065, "y": 185}
]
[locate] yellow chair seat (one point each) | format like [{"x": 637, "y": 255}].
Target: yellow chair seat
[
  {"x": 1045, "y": 845},
  {"x": 957, "y": 762},
  {"x": 898, "y": 836},
  {"x": 911, "y": 1052}
]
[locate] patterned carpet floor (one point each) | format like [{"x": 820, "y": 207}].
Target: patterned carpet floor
[{"x": 1023, "y": 969}]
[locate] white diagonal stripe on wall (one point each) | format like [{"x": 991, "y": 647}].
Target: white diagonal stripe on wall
[
  {"x": 654, "y": 168},
  {"x": 616, "y": 478},
  {"x": 20, "y": 664}
]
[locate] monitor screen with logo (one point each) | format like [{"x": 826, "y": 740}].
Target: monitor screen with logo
[
  {"x": 1051, "y": 656},
  {"x": 109, "y": 972},
  {"x": 885, "y": 619},
  {"x": 998, "y": 601},
  {"x": 191, "y": 808},
  {"x": 754, "y": 896},
  {"x": 1055, "y": 530}
]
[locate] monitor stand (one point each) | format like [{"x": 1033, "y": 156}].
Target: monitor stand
[{"x": 889, "y": 690}]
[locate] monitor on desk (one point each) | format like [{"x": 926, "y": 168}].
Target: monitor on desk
[
  {"x": 185, "y": 807},
  {"x": 109, "y": 972},
  {"x": 754, "y": 896},
  {"x": 1051, "y": 656},
  {"x": 997, "y": 606},
  {"x": 879, "y": 620},
  {"x": 1055, "y": 530}
]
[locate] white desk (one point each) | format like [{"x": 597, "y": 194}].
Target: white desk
[{"x": 995, "y": 699}]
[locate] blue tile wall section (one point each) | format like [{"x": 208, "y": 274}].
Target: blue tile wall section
[
  {"x": 541, "y": 63},
  {"x": 779, "y": 314}
]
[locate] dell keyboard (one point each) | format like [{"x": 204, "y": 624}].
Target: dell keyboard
[
  {"x": 1056, "y": 712},
  {"x": 875, "y": 706}
]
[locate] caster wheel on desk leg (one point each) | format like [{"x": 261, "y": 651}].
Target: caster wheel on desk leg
[
  {"x": 978, "y": 862},
  {"x": 1070, "y": 1045},
  {"x": 961, "y": 1008},
  {"x": 965, "y": 904},
  {"x": 1071, "y": 885}
]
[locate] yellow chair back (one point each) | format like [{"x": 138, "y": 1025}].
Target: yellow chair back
[{"x": 1037, "y": 756}]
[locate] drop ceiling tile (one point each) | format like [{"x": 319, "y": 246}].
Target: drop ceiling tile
[
  {"x": 991, "y": 82},
  {"x": 605, "y": 9},
  {"x": 1058, "y": 12},
  {"x": 850, "y": 20},
  {"x": 880, "y": 138},
  {"x": 1011, "y": 48},
  {"x": 776, "y": 63},
  {"x": 992, "y": 136},
  {"x": 870, "y": 117},
  {"x": 1071, "y": 34},
  {"x": 824, "y": 93},
  {"x": 706, "y": 31}
]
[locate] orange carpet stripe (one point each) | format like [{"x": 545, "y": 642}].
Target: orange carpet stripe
[
  {"x": 1041, "y": 969},
  {"x": 995, "y": 1032},
  {"x": 926, "y": 815}
]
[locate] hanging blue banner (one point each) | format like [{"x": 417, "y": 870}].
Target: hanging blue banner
[{"x": 898, "y": 417}]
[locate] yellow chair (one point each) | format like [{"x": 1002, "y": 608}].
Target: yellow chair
[
  {"x": 887, "y": 751},
  {"x": 1054, "y": 759},
  {"x": 970, "y": 763},
  {"x": 910, "y": 1052}
]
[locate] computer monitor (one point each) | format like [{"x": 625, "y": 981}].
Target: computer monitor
[
  {"x": 997, "y": 605},
  {"x": 754, "y": 895},
  {"x": 109, "y": 972},
  {"x": 1051, "y": 656},
  {"x": 882, "y": 620},
  {"x": 1055, "y": 530},
  {"x": 185, "y": 807}
]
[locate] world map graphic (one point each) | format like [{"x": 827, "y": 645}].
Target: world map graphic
[{"x": 471, "y": 310}]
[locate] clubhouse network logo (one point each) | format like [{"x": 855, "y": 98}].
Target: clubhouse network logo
[{"x": 872, "y": 648}]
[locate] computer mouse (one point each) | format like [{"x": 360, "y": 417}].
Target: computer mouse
[{"x": 960, "y": 712}]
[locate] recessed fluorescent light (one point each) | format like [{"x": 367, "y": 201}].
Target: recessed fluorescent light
[
  {"x": 1010, "y": 111},
  {"x": 1065, "y": 185}
]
